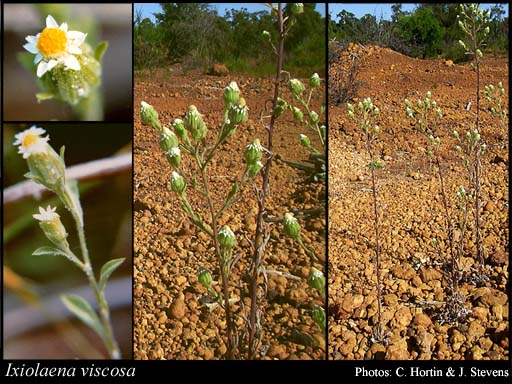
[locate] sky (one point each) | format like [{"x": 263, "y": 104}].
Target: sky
[
  {"x": 148, "y": 9},
  {"x": 379, "y": 9}
]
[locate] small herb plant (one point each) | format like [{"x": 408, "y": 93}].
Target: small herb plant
[
  {"x": 191, "y": 137},
  {"x": 47, "y": 168},
  {"x": 368, "y": 115}
]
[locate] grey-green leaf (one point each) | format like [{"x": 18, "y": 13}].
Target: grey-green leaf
[
  {"x": 83, "y": 310},
  {"x": 49, "y": 251},
  {"x": 100, "y": 50},
  {"x": 107, "y": 269},
  {"x": 44, "y": 96}
]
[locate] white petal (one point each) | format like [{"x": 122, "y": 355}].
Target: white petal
[
  {"x": 72, "y": 63},
  {"x": 31, "y": 48},
  {"x": 74, "y": 49},
  {"x": 42, "y": 68},
  {"x": 51, "y": 23},
  {"x": 31, "y": 39},
  {"x": 51, "y": 64},
  {"x": 77, "y": 36},
  {"x": 38, "y": 58},
  {"x": 64, "y": 27}
]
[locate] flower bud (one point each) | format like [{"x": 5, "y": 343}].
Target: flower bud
[
  {"x": 238, "y": 113},
  {"x": 280, "y": 107},
  {"x": 351, "y": 115},
  {"x": 168, "y": 139},
  {"x": 179, "y": 129},
  {"x": 350, "y": 107},
  {"x": 419, "y": 104},
  {"x": 487, "y": 30},
  {"x": 456, "y": 134},
  {"x": 204, "y": 277},
  {"x": 458, "y": 148},
  {"x": 305, "y": 141},
  {"x": 253, "y": 152},
  {"x": 376, "y": 112},
  {"x": 376, "y": 130},
  {"x": 462, "y": 44},
  {"x": 313, "y": 116},
  {"x": 297, "y": 8},
  {"x": 296, "y": 87},
  {"x": 266, "y": 34},
  {"x": 194, "y": 123},
  {"x": 314, "y": 81},
  {"x": 318, "y": 316},
  {"x": 291, "y": 227},
  {"x": 178, "y": 183},
  {"x": 148, "y": 115},
  {"x": 476, "y": 136},
  {"x": 254, "y": 168},
  {"x": 174, "y": 157},
  {"x": 297, "y": 114},
  {"x": 408, "y": 103},
  {"x": 438, "y": 113},
  {"x": 428, "y": 95},
  {"x": 231, "y": 94},
  {"x": 479, "y": 53},
  {"x": 226, "y": 238},
  {"x": 483, "y": 149},
  {"x": 52, "y": 227},
  {"x": 316, "y": 280}
]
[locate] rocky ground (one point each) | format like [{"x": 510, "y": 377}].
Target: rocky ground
[
  {"x": 170, "y": 321},
  {"x": 409, "y": 203}
]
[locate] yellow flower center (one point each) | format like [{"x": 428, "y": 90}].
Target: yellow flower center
[
  {"x": 52, "y": 41},
  {"x": 29, "y": 139}
]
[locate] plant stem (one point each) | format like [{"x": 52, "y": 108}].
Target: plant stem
[
  {"x": 380, "y": 331},
  {"x": 231, "y": 347},
  {"x": 108, "y": 336},
  {"x": 258, "y": 236},
  {"x": 454, "y": 266}
]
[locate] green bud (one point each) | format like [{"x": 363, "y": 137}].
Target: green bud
[
  {"x": 350, "y": 107},
  {"x": 483, "y": 149},
  {"x": 428, "y": 95},
  {"x": 168, "y": 139},
  {"x": 194, "y": 123},
  {"x": 296, "y": 87},
  {"x": 438, "y": 113},
  {"x": 316, "y": 280},
  {"x": 314, "y": 81},
  {"x": 313, "y": 116},
  {"x": 231, "y": 94},
  {"x": 351, "y": 115},
  {"x": 297, "y": 114},
  {"x": 204, "y": 277},
  {"x": 238, "y": 113},
  {"x": 456, "y": 134},
  {"x": 291, "y": 227},
  {"x": 318, "y": 316},
  {"x": 304, "y": 140},
  {"x": 408, "y": 103},
  {"x": 487, "y": 30},
  {"x": 226, "y": 238},
  {"x": 179, "y": 129},
  {"x": 323, "y": 131},
  {"x": 462, "y": 44},
  {"x": 178, "y": 183},
  {"x": 376, "y": 130},
  {"x": 174, "y": 157},
  {"x": 376, "y": 112},
  {"x": 479, "y": 53},
  {"x": 458, "y": 148},
  {"x": 254, "y": 168},
  {"x": 297, "y": 8},
  {"x": 419, "y": 103},
  {"x": 253, "y": 152},
  {"x": 280, "y": 107},
  {"x": 148, "y": 115},
  {"x": 266, "y": 35},
  {"x": 52, "y": 227}
]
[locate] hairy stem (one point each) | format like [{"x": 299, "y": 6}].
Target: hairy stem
[{"x": 258, "y": 237}]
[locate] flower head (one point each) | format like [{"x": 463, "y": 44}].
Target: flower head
[
  {"x": 47, "y": 214},
  {"x": 54, "y": 46},
  {"x": 30, "y": 141}
]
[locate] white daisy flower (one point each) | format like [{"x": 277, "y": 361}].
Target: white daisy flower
[
  {"x": 47, "y": 214},
  {"x": 30, "y": 141},
  {"x": 55, "y": 45}
]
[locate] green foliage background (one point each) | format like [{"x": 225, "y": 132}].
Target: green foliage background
[
  {"x": 430, "y": 30},
  {"x": 195, "y": 34}
]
